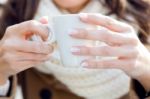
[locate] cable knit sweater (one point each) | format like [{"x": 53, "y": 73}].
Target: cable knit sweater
[{"x": 91, "y": 84}]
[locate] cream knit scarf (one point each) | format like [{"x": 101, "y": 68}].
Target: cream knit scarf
[{"x": 91, "y": 84}]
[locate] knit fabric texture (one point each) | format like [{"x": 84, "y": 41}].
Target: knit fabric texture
[{"x": 88, "y": 83}]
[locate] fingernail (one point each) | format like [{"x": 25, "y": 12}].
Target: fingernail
[
  {"x": 73, "y": 32},
  {"x": 74, "y": 49},
  {"x": 83, "y": 15},
  {"x": 44, "y": 19},
  {"x": 84, "y": 64}
]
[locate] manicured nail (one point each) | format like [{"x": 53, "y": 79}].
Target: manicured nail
[
  {"x": 74, "y": 50},
  {"x": 73, "y": 32},
  {"x": 84, "y": 64},
  {"x": 83, "y": 15},
  {"x": 44, "y": 20}
]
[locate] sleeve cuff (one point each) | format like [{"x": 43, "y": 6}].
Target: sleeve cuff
[
  {"x": 5, "y": 88},
  {"x": 12, "y": 88}
]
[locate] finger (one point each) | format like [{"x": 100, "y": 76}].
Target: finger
[
  {"x": 23, "y": 65},
  {"x": 105, "y": 35},
  {"x": 105, "y": 21},
  {"x": 29, "y": 28},
  {"x": 105, "y": 50},
  {"x": 44, "y": 20},
  {"x": 33, "y": 47},
  {"x": 124, "y": 64},
  {"x": 24, "y": 60},
  {"x": 21, "y": 56}
]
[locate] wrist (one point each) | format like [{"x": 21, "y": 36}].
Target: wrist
[{"x": 3, "y": 79}]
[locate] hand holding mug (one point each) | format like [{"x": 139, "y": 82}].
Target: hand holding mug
[
  {"x": 121, "y": 42},
  {"x": 18, "y": 53}
]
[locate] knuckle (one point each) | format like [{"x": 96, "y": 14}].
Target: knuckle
[
  {"x": 10, "y": 44},
  {"x": 83, "y": 33},
  {"x": 7, "y": 45},
  {"x": 32, "y": 24},
  {"x": 10, "y": 29},
  {"x": 135, "y": 52},
  {"x": 130, "y": 28},
  {"x": 106, "y": 36},
  {"x": 105, "y": 50},
  {"x": 134, "y": 41},
  {"x": 85, "y": 50},
  {"x": 127, "y": 27}
]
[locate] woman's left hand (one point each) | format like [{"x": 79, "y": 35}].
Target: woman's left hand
[{"x": 121, "y": 42}]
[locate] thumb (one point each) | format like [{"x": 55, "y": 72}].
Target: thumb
[{"x": 44, "y": 20}]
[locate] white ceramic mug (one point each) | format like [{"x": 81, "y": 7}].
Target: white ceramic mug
[{"x": 62, "y": 26}]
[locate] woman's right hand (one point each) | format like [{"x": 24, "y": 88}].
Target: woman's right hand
[{"x": 18, "y": 53}]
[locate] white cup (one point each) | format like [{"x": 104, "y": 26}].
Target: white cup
[{"x": 62, "y": 26}]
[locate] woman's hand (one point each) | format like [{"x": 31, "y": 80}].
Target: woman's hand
[
  {"x": 18, "y": 53},
  {"x": 121, "y": 42}
]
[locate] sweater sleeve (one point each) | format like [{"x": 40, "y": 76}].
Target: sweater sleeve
[
  {"x": 11, "y": 89},
  {"x": 4, "y": 88}
]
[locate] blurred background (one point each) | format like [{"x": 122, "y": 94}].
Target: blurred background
[{"x": 18, "y": 94}]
